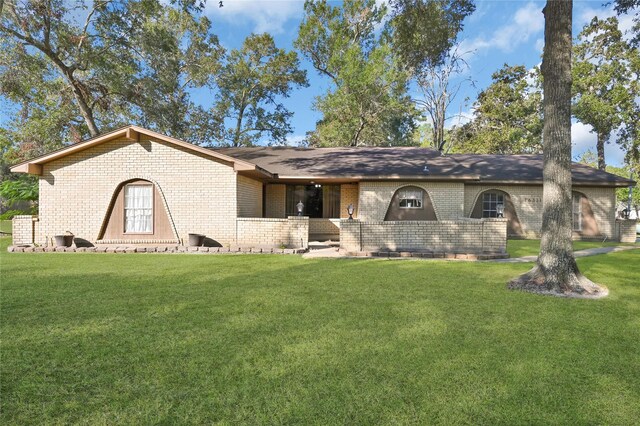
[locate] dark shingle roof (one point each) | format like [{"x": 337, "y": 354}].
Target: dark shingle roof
[
  {"x": 364, "y": 162},
  {"x": 409, "y": 163},
  {"x": 527, "y": 168}
]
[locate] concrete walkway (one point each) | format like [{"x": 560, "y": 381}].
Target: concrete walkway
[
  {"x": 331, "y": 251},
  {"x": 580, "y": 253}
]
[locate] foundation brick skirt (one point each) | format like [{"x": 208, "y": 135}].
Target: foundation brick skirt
[{"x": 156, "y": 249}]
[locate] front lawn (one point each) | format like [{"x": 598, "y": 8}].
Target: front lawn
[
  {"x": 255, "y": 339},
  {"x": 520, "y": 248},
  {"x": 5, "y": 226}
]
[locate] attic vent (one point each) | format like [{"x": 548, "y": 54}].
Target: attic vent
[{"x": 426, "y": 169}]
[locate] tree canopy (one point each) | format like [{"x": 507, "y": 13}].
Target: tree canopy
[
  {"x": 367, "y": 103},
  {"x": 250, "y": 85},
  {"x": 507, "y": 115},
  {"x": 606, "y": 69}
]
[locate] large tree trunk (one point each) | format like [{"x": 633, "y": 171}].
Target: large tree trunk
[
  {"x": 600, "y": 148},
  {"x": 556, "y": 271}
]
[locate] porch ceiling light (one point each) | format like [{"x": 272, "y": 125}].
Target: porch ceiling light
[
  {"x": 300, "y": 207},
  {"x": 500, "y": 210},
  {"x": 350, "y": 210}
]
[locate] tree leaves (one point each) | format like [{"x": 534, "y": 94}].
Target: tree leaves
[{"x": 250, "y": 85}]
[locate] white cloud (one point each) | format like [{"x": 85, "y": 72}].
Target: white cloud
[
  {"x": 625, "y": 22},
  {"x": 527, "y": 22},
  {"x": 582, "y": 140},
  {"x": 265, "y": 15},
  {"x": 540, "y": 45}
]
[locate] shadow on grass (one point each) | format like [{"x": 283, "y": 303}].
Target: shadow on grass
[{"x": 265, "y": 339}]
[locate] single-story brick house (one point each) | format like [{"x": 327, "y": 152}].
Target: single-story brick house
[{"x": 136, "y": 186}]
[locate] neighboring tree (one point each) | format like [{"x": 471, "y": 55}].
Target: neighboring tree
[
  {"x": 122, "y": 59},
  {"x": 438, "y": 89},
  {"x": 628, "y": 6},
  {"x": 507, "y": 115},
  {"x": 622, "y": 194},
  {"x": 605, "y": 84},
  {"x": 22, "y": 189},
  {"x": 367, "y": 103},
  {"x": 251, "y": 84},
  {"x": 425, "y": 31},
  {"x": 423, "y": 34},
  {"x": 556, "y": 271}
]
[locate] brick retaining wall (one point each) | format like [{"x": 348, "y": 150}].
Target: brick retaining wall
[
  {"x": 290, "y": 232},
  {"x": 465, "y": 235},
  {"x": 626, "y": 230},
  {"x": 23, "y": 229}
]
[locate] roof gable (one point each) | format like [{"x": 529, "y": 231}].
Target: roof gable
[{"x": 133, "y": 133}]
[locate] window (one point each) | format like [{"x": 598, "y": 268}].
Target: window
[
  {"x": 138, "y": 209},
  {"x": 410, "y": 198},
  {"x": 320, "y": 201},
  {"x": 576, "y": 210},
  {"x": 490, "y": 201}
]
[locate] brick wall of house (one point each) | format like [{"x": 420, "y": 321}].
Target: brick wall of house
[
  {"x": 276, "y": 197},
  {"x": 465, "y": 235},
  {"x": 324, "y": 228},
  {"x": 75, "y": 191},
  {"x": 447, "y": 198},
  {"x": 23, "y": 229},
  {"x": 625, "y": 230},
  {"x": 527, "y": 200},
  {"x": 349, "y": 194},
  {"x": 292, "y": 232},
  {"x": 249, "y": 197}
]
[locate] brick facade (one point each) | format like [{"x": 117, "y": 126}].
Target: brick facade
[
  {"x": 23, "y": 229},
  {"x": 625, "y": 230},
  {"x": 447, "y": 198},
  {"x": 349, "y": 194},
  {"x": 292, "y": 232},
  {"x": 75, "y": 191},
  {"x": 207, "y": 196},
  {"x": 469, "y": 236},
  {"x": 527, "y": 200},
  {"x": 249, "y": 197},
  {"x": 324, "y": 229},
  {"x": 276, "y": 198}
]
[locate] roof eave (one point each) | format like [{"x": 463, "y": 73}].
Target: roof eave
[{"x": 34, "y": 165}]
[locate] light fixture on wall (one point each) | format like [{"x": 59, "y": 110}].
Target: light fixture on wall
[
  {"x": 300, "y": 207},
  {"x": 500, "y": 210},
  {"x": 350, "y": 210}
]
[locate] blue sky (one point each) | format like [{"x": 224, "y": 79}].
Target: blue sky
[{"x": 498, "y": 32}]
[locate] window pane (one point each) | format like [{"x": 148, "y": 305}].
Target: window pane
[
  {"x": 410, "y": 198},
  {"x": 138, "y": 202}
]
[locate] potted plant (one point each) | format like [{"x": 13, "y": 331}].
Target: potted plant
[
  {"x": 196, "y": 240},
  {"x": 64, "y": 240}
]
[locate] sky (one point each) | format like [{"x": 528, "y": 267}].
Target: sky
[{"x": 498, "y": 32}]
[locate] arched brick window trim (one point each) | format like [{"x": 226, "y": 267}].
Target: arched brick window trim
[
  {"x": 426, "y": 212},
  {"x": 514, "y": 228},
  {"x": 166, "y": 230},
  {"x": 589, "y": 224}
]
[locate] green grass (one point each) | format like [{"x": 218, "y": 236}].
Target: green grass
[
  {"x": 5, "y": 226},
  {"x": 131, "y": 339},
  {"x": 520, "y": 248}
]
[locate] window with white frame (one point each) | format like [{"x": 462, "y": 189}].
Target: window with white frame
[
  {"x": 138, "y": 208},
  {"x": 410, "y": 198},
  {"x": 576, "y": 210},
  {"x": 490, "y": 201}
]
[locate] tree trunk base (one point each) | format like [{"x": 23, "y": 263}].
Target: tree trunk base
[{"x": 575, "y": 285}]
